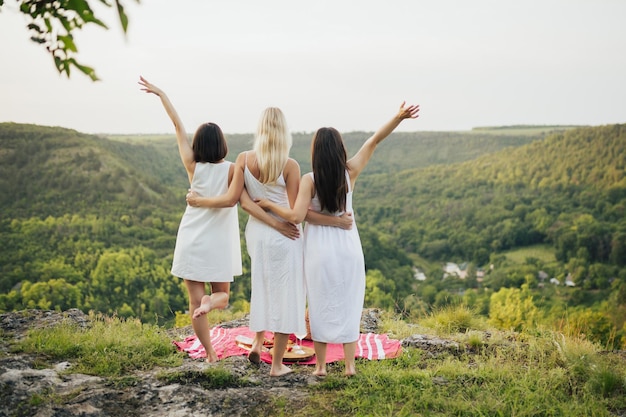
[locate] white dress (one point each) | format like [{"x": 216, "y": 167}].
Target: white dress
[
  {"x": 334, "y": 270},
  {"x": 277, "y": 301},
  {"x": 208, "y": 247}
]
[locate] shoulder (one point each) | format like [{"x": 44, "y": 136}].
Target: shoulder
[
  {"x": 291, "y": 172},
  {"x": 241, "y": 159},
  {"x": 308, "y": 177},
  {"x": 292, "y": 165},
  {"x": 308, "y": 180}
]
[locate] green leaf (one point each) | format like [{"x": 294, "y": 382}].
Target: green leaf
[
  {"x": 67, "y": 24},
  {"x": 35, "y": 27},
  {"x": 48, "y": 25},
  {"x": 79, "y": 6},
  {"x": 122, "y": 14},
  {"x": 58, "y": 63},
  {"x": 90, "y": 72},
  {"x": 68, "y": 42},
  {"x": 38, "y": 39}
]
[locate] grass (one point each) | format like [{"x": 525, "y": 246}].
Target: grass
[
  {"x": 111, "y": 346},
  {"x": 453, "y": 319},
  {"x": 536, "y": 378},
  {"x": 544, "y": 253},
  {"x": 494, "y": 373}
]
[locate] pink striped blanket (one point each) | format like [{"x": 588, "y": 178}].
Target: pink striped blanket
[{"x": 370, "y": 346}]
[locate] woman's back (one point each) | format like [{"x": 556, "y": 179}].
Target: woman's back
[
  {"x": 334, "y": 268},
  {"x": 198, "y": 255},
  {"x": 277, "y": 298},
  {"x": 276, "y": 192}
]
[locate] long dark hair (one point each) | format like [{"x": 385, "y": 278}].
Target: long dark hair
[
  {"x": 329, "y": 159},
  {"x": 209, "y": 144}
]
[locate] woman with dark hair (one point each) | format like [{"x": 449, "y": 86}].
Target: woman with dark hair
[
  {"x": 207, "y": 244},
  {"x": 334, "y": 266}
]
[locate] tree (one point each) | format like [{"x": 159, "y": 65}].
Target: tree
[
  {"x": 53, "y": 24},
  {"x": 379, "y": 290},
  {"x": 513, "y": 309}
]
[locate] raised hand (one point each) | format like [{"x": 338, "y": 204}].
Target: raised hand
[
  {"x": 148, "y": 87},
  {"x": 409, "y": 112}
]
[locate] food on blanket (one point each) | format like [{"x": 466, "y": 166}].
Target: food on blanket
[
  {"x": 246, "y": 342},
  {"x": 291, "y": 355}
]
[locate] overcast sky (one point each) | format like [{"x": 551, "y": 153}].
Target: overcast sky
[{"x": 341, "y": 63}]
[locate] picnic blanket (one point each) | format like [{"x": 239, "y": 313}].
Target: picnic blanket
[{"x": 370, "y": 346}]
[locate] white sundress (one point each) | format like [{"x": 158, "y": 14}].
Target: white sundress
[
  {"x": 334, "y": 270},
  {"x": 278, "y": 299},
  {"x": 208, "y": 247}
]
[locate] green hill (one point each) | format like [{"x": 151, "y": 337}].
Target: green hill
[
  {"x": 568, "y": 190},
  {"x": 54, "y": 171},
  {"x": 90, "y": 222},
  {"x": 402, "y": 150}
]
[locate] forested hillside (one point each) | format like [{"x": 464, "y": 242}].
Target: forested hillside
[
  {"x": 565, "y": 194},
  {"x": 90, "y": 222},
  {"x": 402, "y": 150},
  {"x": 568, "y": 190},
  {"x": 54, "y": 171}
]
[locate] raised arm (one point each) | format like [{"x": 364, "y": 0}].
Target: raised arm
[
  {"x": 357, "y": 163},
  {"x": 228, "y": 199},
  {"x": 184, "y": 147}
]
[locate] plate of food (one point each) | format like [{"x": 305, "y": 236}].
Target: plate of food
[
  {"x": 245, "y": 342},
  {"x": 296, "y": 353}
]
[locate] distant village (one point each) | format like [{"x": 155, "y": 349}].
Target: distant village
[{"x": 460, "y": 271}]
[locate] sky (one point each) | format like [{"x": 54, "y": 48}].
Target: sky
[{"x": 348, "y": 64}]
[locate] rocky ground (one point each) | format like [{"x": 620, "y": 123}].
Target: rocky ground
[{"x": 28, "y": 390}]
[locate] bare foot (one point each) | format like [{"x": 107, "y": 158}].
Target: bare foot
[
  {"x": 255, "y": 353},
  {"x": 254, "y": 357},
  {"x": 205, "y": 307},
  {"x": 319, "y": 372},
  {"x": 284, "y": 370},
  {"x": 350, "y": 371},
  {"x": 211, "y": 355}
]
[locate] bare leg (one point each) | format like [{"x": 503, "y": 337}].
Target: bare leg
[
  {"x": 349, "y": 351},
  {"x": 200, "y": 326},
  {"x": 280, "y": 344},
  {"x": 255, "y": 352},
  {"x": 320, "y": 358},
  {"x": 217, "y": 300},
  {"x": 205, "y": 307}
]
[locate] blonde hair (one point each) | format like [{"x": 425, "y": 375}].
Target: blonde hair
[{"x": 272, "y": 144}]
